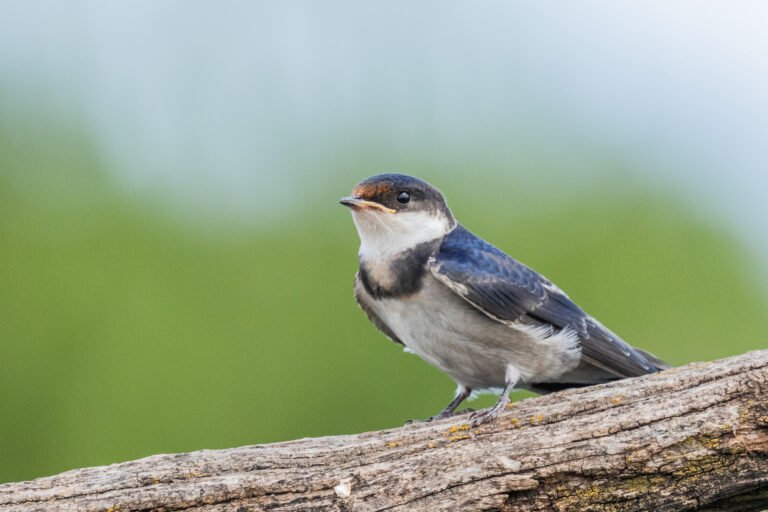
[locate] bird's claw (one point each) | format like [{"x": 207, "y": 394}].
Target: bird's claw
[
  {"x": 441, "y": 416},
  {"x": 427, "y": 420},
  {"x": 477, "y": 418}
]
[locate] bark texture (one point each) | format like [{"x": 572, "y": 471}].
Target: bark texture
[{"x": 691, "y": 438}]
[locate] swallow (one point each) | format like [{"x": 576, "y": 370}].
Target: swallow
[{"x": 467, "y": 308}]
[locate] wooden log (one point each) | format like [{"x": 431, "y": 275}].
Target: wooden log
[{"x": 690, "y": 438}]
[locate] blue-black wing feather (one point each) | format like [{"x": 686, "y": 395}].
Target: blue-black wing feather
[{"x": 510, "y": 292}]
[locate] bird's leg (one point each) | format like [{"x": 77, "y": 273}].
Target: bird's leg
[
  {"x": 486, "y": 415},
  {"x": 462, "y": 393}
]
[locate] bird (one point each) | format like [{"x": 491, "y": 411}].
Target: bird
[{"x": 488, "y": 321}]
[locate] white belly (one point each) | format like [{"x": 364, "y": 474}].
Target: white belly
[{"x": 452, "y": 335}]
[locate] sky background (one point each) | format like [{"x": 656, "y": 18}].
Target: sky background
[{"x": 175, "y": 271}]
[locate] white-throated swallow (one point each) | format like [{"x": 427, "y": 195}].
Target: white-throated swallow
[{"x": 469, "y": 309}]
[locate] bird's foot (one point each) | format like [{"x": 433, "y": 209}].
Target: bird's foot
[
  {"x": 441, "y": 416},
  {"x": 487, "y": 415},
  {"x": 483, "y": 416}
]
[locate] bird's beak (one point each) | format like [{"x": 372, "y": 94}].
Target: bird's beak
[{"x": 360, "y": 203}]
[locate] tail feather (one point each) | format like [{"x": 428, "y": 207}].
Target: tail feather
[{"x": 655, "y": 361}]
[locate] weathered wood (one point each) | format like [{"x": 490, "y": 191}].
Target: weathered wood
[{"x": 691, "y": 438}]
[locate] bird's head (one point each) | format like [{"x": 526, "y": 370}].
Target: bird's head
[{"x": 396, "y": 212}]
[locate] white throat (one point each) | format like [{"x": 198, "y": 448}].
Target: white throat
[{"x": 385, "y": 234}]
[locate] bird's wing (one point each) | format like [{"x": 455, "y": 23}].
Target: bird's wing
[
  {"x": 364, "y": 301},
  {"x": 510, "y": 292}
]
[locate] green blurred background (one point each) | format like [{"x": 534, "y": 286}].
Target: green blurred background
[{"x": 157, "y": 295}]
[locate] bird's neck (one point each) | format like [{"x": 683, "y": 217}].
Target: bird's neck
[{"x": 397, "y": 275}]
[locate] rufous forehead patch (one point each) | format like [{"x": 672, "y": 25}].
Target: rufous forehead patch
[{"x": 371, "y": 190}]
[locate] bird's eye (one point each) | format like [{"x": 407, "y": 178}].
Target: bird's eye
[{"x": 403, "y": 197}]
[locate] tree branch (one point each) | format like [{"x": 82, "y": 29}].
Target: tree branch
[{"x": 689, "y": 438}]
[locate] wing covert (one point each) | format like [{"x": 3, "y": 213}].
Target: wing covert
[{"x": 510, "y": 292}]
